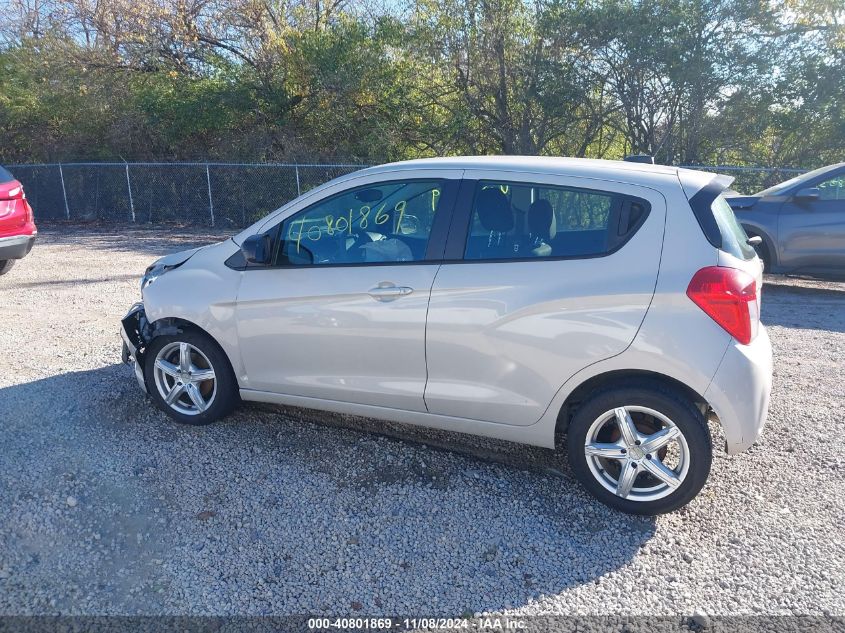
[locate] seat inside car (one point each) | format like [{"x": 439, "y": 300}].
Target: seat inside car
[
  {"x": 493, "y": 210},
  {"x": 542, "y": 228}
]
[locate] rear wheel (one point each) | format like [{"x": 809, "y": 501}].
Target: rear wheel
[
  {"x": 642, "y": 449},
  {"x": 189, "y": 378},
  {"x": 6, "y": 265}
]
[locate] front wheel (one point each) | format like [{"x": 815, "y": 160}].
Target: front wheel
[
  {"x": 189, "y": 378},
  {"x": 6, "y": 265},
  {"x": 642, "y": 449}
]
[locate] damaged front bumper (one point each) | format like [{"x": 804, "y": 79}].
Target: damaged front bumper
[{"x": 136, "y": 333}]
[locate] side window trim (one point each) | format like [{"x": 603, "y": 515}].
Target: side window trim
[
  {"x": 443, "y": 219},
  {"x": 436, "y": 239},
  {"x": 463, "y": 214},
  {"x": 461, "y": 220}
]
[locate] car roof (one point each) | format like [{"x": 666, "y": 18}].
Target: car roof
[
  {"x": 797, "y": 181},
  {"x": 643, "y": 174},
  {"x": 521, "y": 163},
  {"x": 623, "y": 171},
  {"x": 821, "y": 171},
  {"x": 826, "y": 169}
]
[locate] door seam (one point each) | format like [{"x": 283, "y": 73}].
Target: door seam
[{"x": 425, "y": 334}]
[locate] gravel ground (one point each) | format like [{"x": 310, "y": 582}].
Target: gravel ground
[{"x": 108, "y": 507}]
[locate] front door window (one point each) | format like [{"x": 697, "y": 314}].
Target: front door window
[
  {"x": 379, "y": 223},
  {"x": 833, "y": 188}
]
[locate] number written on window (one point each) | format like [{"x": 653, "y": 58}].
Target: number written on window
[{"x": 387, "y": 222}]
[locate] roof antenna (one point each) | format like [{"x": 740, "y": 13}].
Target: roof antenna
[{"x": 640, "y": 158}]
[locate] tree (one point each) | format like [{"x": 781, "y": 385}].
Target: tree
[
  {"x": 516, "y": 73},
  {"x": 743, "y": 81}
]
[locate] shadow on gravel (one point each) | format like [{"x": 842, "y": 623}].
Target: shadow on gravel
[
  {"x": 72, "y": 282},
  {"x": 280, "y": 511},
  {"x": 152, "y": 239}
]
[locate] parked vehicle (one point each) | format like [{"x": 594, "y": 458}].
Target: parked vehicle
[
  {"x": 513, "y": 298},
  {"x": 800, "y": 222},
  {"x": 17, "y": 224}
]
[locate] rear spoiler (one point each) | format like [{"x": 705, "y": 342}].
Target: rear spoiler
[{"x": 701, "y": 204}]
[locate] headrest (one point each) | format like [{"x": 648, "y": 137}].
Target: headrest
[
  {"x": 494, "y": 210},
  {"x": 541, "y": 219}
]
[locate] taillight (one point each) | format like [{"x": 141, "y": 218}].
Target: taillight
[
  {"x": 14, "y": 207},
  {"x": 729, "y": 297},
  {"x": 11, "y": 190}
]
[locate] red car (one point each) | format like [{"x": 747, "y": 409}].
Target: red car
[{"x": 17, "y": 224}]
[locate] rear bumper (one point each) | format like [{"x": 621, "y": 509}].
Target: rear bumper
[
  {"x": 134, "y": 330},
  {"x": 740, "y": 391},
  {"x": 16, "y": 247}
]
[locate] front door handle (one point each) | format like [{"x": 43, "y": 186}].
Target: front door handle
[{"x": 385, "y": 292}]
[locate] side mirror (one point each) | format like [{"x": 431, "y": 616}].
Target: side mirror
[
  {"x": 256, "y": 249},
  {"x": 808, "y": 193},
  {"x": 754, "y": 240}
]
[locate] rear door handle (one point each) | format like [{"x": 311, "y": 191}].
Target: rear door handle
[{"x": 389, "y": 292}]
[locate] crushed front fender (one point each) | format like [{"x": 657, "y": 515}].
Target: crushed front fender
[{"x": 136, "y": 332}]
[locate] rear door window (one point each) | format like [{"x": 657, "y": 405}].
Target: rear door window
[{"x": 518, "y": 220}]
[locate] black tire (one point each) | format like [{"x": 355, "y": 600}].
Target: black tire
[
  {"x": 6, "y": 265},
  {"x": 225, "y": 398},
  {"x": 664, "y": 400},
  {"x": 765, "y": 257}
]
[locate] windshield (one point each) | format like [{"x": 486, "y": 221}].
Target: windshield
[
  {"x": 5, "y": 176},
  {"x": 786, "y": 184}
]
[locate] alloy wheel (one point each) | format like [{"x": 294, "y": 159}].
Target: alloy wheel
[
  {"x": 637, "y": 453},
  {"x": 185, "y": 378}
]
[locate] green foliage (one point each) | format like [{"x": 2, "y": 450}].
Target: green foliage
[{"x": 700, "y": 81}]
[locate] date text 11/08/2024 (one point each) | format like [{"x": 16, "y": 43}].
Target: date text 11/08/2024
[{"x": 443, "y": 624}]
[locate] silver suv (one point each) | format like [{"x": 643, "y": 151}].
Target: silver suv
[{"x": 516, "y": 298}]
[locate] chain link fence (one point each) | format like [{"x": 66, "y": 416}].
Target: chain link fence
[
  {"x": 214, "y": 194},
  {"x": 201, "y": 194}
]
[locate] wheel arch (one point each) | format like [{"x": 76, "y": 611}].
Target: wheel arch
[
  {"x": 173, "y": 325},
  {"x": 620, "y": 377},
  {"x": 768, "y": 242}
]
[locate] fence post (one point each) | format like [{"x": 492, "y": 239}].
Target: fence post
[
  {"x": 129, "y": 188},
  {"x": 298, "y": 191},
  {"x": 64, "y": 192},
  {"x": 210, "y": 201}
]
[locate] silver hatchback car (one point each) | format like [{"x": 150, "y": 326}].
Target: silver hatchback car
[{"x": 509, "y": 297}]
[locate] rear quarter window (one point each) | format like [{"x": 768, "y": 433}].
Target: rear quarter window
[
  {"x": 718, "y": 222},
  {"x": 734, "y": 238}
]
